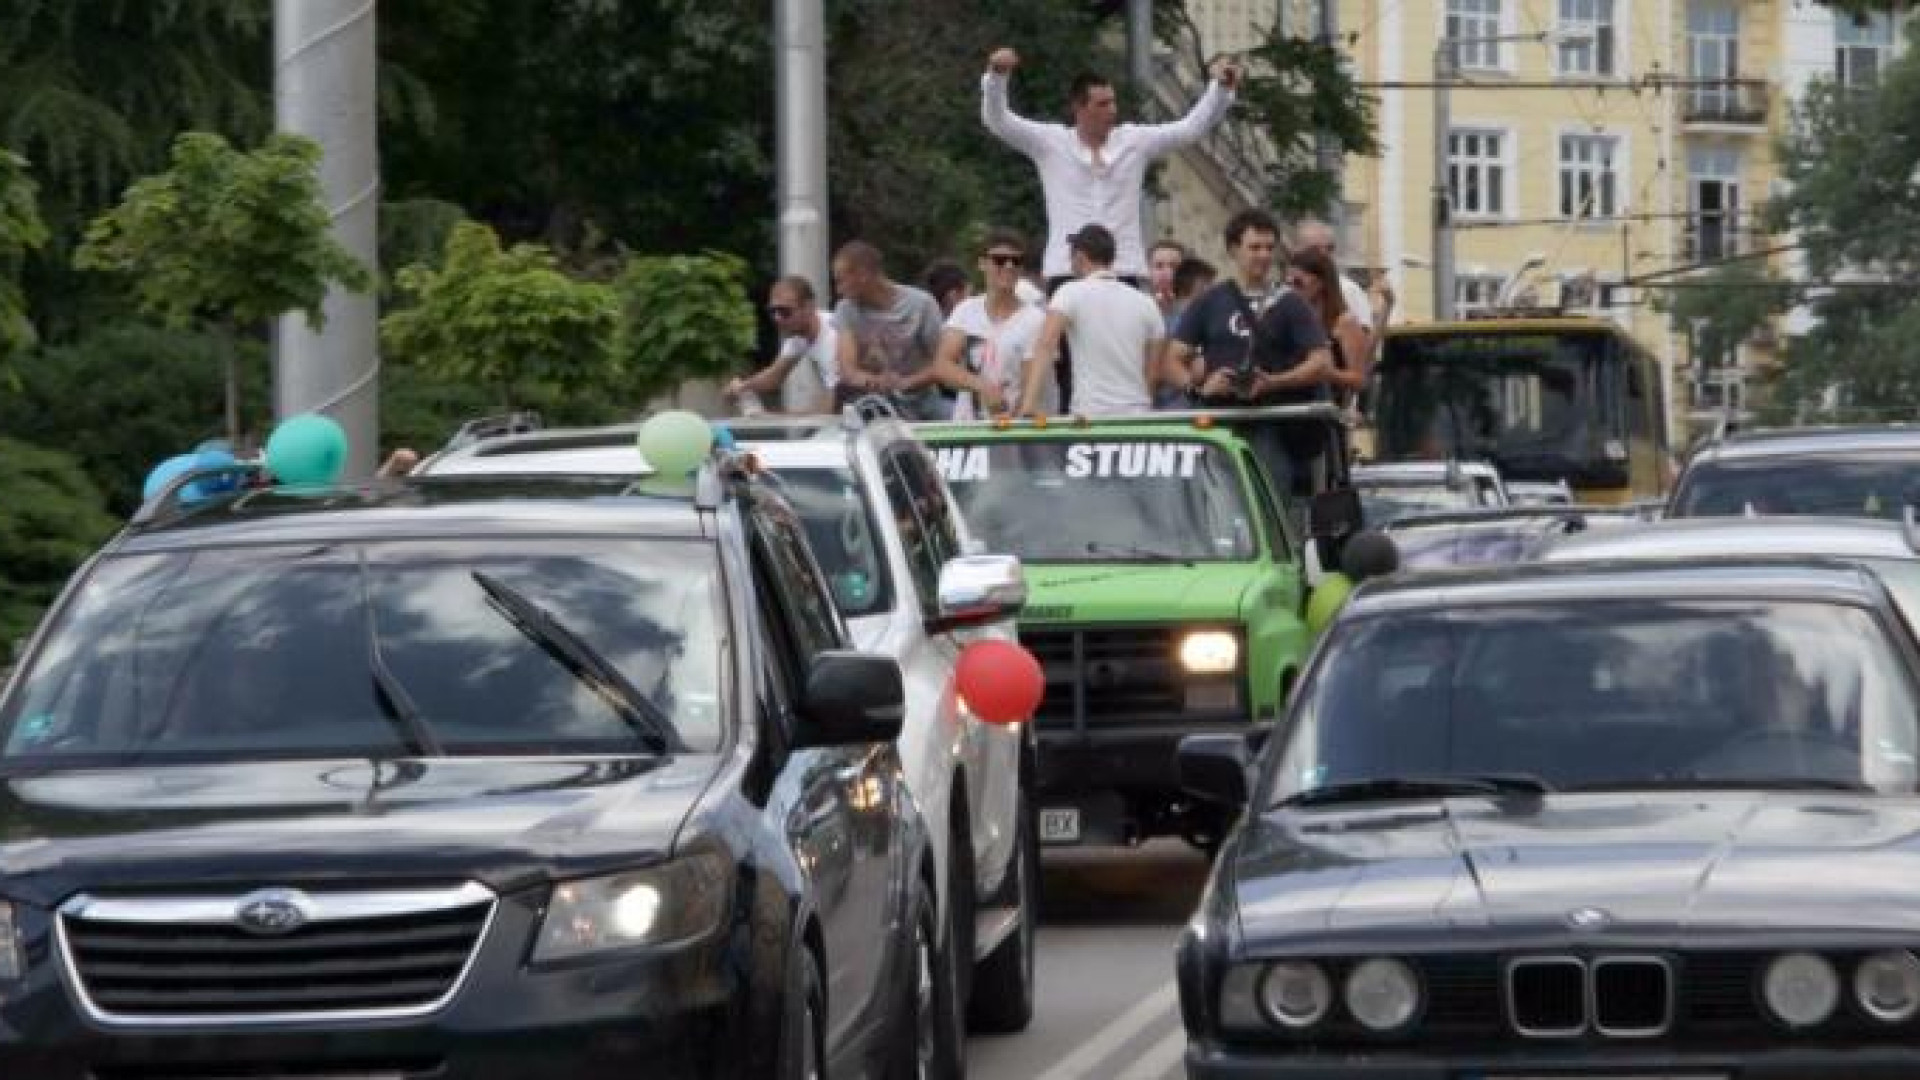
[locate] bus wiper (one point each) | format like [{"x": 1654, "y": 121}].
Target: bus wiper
[
  {"x": 1390, "y": 788},
  {"x": 560, "y": 641},
  {"x": 1135, "y": 551}
]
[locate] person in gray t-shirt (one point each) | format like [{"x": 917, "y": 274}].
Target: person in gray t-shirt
[{"x": 889, "y": 333}]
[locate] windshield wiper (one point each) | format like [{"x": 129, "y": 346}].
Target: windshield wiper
[
  {"x": 564, "y": 645},
  {"x": 1099, "y": 547},
  {"x": 1733, "y": 783},
  {"x": 1441, "y": 787},
  {"x": 395, "y": 703}
]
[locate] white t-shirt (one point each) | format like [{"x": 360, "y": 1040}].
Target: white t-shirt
[
  {"x": 1357, "y": 301},
  {"x": 998, "y": 351},
  {"x": 1109, "y": 326},
  {"x": 809, "y": 385}
]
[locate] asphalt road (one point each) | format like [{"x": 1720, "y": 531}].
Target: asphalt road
[{"x": 1107, "y": 1006}]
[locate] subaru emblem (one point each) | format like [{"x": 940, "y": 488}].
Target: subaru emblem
[
  {"x": 273, "y": 911},
  {"x": 1588, "y": 918}
]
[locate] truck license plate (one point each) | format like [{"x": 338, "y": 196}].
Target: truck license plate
[{"x": 1060, "y": 825}]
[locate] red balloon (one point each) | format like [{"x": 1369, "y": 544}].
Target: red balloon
[{"x": 1001, "y": 681}]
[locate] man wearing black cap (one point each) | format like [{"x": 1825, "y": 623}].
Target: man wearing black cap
[{"x": 1115, "y": 332}]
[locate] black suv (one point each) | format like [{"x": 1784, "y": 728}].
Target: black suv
[{"x": 456, "y": 779}]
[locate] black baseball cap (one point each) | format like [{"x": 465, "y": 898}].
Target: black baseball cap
[{"x": 1095, "y": 242}]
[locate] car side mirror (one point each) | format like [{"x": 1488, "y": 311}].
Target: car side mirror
[
  {"x": 1333, "y": 514},
  {"x": 851, "y": 698},
  {"x": 1214, "y": 768},
  {"x": 979, "y": 590}
]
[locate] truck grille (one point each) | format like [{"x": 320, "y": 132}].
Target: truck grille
[
  {"x": 1117, "y": 676},
  {"x": 195, "y": 960}
]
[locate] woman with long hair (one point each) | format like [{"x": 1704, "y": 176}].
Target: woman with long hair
[{"x": 1313, "y": 275}]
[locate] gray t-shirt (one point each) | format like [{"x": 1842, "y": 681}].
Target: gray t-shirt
[{"x": 901, "y": 338}]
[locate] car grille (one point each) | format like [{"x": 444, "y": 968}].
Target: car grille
[
  {"x": 192, "y": 960},
  {"x": 1119, "y": 676},
  {"x": 1622, "y": 997}
]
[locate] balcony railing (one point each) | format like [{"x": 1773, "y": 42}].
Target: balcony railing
[{"x": 1725, "y": 101}]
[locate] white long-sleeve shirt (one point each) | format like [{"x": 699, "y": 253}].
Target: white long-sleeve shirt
[{"x": 1077, "y": 192}]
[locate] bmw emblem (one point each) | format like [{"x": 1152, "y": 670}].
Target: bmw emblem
[
  {"x": 1588, "y": 918},
  {"x": 271, "y": 912}
]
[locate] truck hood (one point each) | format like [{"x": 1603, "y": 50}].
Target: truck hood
[
  {"x": 1738, "y": 863},
  {"x": 1107, "y": 592},
  {"x": 504, "y": 822}
]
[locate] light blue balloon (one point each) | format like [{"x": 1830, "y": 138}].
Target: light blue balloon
[
  {"x": 212, "y": 457},
  {"x": 723, "y": 437},
  {"x": 166, "y": 473},
  {"x": 307, "y": 450}
]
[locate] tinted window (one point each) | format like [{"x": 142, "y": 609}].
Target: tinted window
[
  {"x": 1832, "y": 485},
  {"x": 839, "y": 528},
  {"x": 808, "y": 608},
  {"x": 266, "y": 651},
  {"x": 1609, "y": 693},
  {"x": 1525, "y": 401},
  {"x": 930, "y": 499},
  {"x": 1102, "y": 501},
  {"x": 923, "y": 555}
]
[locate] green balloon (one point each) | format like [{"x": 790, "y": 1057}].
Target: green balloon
[
  {"x": 1327, "y": 599},
  {"x": 307, "y": 450},
  {"x": 675, "y": 443}
]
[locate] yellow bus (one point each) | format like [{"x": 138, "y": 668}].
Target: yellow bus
[{"x": 1542, "y": 398}]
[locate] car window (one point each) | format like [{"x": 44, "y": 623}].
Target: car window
[
  {"x": 922, "y": 543},
  {"x": 270, "y": 651},
  {"x": 937, "y": 514},
  {"x": 795, "y": 579},
  {"x": 1278, "y": 528},
  {"x": 840, "y": 530}
]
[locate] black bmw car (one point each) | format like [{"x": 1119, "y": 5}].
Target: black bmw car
[
  {"x": 451, "y": 780},
  {"x": 1575, "y": 822}
]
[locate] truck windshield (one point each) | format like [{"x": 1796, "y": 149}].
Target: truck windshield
[
  {"x": 375, "y": 649},
  {"x": 1105, "y": 501}
]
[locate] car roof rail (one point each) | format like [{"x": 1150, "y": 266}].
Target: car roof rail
[
  {"x": 170, "y": 503},
  {"x": 866, "y": 409},
  {"x": 515, "y": 422}
]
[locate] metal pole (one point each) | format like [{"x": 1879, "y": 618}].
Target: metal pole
[
  {"x": 323, "y": 88},
  {"x": 1443, "y": 73},
  {"x": 1140, "y": 74},
  {"x": 800, "y": 139},
  {"x": 1331, "y": 161}
]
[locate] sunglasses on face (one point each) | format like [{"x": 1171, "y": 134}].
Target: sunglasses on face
[
  {"x": 779, "y": 311},
  {"x": 998, "y": 258}
]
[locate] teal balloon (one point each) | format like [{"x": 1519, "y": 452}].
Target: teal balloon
[
  {"x": 307, "y": 450},
  {"x": 1328, "y": 598},
  {"x": 675, "y": 443},
  {"x": 166, "y": 473}
]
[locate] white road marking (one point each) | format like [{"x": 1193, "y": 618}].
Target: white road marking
[
  {"x": 1161, "y": 1059},
  {"x": 1081, "y": 1063}
]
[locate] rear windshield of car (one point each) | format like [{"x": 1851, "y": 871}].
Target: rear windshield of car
[
  {"x": 1609, "y": 692},
  {"x": 1106, "y": 501},
  {"x": 1829, "y": 485},
  {"x": 269, "y": 652},
  {"x": 840, "y": 530},
  {"x": 1384, "y": 504}
]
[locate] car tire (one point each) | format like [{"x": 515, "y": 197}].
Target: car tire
[
  {"x": 1002, "y": 999},
  {"x": 803, "y": 1019},
  {"x": 927, "y": 1044}
]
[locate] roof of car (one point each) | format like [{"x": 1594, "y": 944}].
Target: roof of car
[
  {"x": 792, "y": 441},
  {"x": 1736, "y": 579},
  {"x": 1683, "y": 538},
  {"x": 1775, "y": 442},
  {"x": 427, "y": 507}
]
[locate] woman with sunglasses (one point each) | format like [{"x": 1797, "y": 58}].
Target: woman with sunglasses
[
  {"x": 1312, "y": 274},
  {"x": 984, "y": 348}
]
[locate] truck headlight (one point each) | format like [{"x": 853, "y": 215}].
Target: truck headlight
[
  {"x": 12, "y": 963},
  {"x": 1801, "y": 989},
  {"x": 1210, "y": 652},
  {"x": 674, "y": 902},
  {"x": 1887, "y": 985}
]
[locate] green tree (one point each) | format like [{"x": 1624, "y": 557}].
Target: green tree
[
  {"x": 50, "y": 521},
  {"x": 226, "y": 239},
  {"x": 1725, "y": 306},
  {"x": 21, "y": 231},
  {"x": 681, "y": 317},
  {"x": 506, "y": 320}
]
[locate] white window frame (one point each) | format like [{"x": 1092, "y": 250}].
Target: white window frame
[
  {"x": 1579, "y": 59},
  {"x": 1721, "y": 92},
  {"x": 1505, "y": 161},
  {"x": 1486, "y": 55},
  {"x": 1851, "y": 39},
  {"x": 1621, "y": 172}
]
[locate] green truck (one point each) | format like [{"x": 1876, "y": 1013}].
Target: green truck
[{"x": 1167, "y": 578}]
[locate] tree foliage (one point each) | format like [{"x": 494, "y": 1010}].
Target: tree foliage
[
  {"x": 681, "y": 317},
  {"x": 21, "y": 231},
  {"x": 506, "y": 319},
  {"x": 50, "y": 521},
  {"x": 1298, "y": 90}
]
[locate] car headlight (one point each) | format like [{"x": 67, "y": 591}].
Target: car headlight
[
  {"x": 1210, "y": 652},
  {"x": 1383, "y": 994},
  {"x": 1295, "y": 994},
  {"x": 1887, "y": 986},
  {"x": 661, "y": 905},
  {"x": 12, "y": 964},
  {"x": 1801, "y": 989}
]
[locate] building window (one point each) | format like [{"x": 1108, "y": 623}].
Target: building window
[
  {"x": 1862, "y": 45},
  {"x": 1477, "y": 171},
  {"x": 1471, "y": 23},
  {"x": 1589, "y": 176},
  {"x": 1713, "y": 51},
  {"x": 1587, "y": 47},
  {"x": 1475, "y": 292},
  {"x": 1713, "y": 204}
]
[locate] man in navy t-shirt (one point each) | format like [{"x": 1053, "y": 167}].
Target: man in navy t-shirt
[{"x": 1244, "y": 343}]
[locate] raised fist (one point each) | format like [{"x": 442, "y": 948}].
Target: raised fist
[
  {"x": 1226, "y": 71},
  {"x": 1003, "y": 61}
]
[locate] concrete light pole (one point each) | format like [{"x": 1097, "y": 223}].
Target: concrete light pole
[
  {"x": 800, "y": 139},
  {"x": 324, "y": 88}
]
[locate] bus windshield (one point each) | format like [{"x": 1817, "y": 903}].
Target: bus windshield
[{"x": 1529, "y": 402}]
